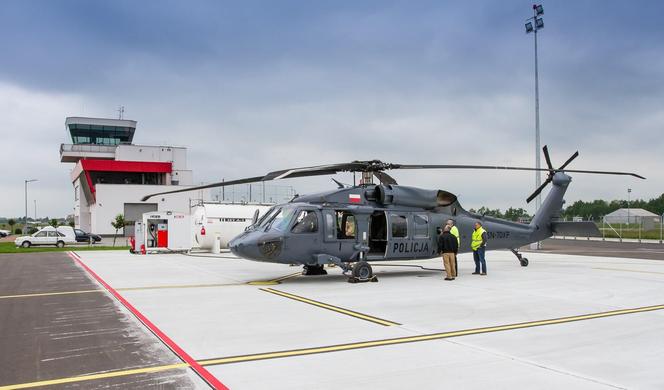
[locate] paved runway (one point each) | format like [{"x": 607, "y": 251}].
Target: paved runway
[
  {"x": 637, "y": 250},
  {"x": 45, "y": 334},
  {"x": 566, "y": 321}
]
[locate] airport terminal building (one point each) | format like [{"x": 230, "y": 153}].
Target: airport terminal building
[{"x": 111, "y": 174}]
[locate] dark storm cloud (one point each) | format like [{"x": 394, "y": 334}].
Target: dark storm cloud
[{"x": 253, "y": 86}]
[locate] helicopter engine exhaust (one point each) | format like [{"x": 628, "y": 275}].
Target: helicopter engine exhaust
[{"x": 411, "y": 196}]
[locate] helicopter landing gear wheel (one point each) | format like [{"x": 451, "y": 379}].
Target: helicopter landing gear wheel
[
  {"x": 362, "y": 272},
  {"x": 313, "y": 270},
  {"x": 522, "y": 260}
]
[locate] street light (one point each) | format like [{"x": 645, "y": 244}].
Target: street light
[
  {"x": 629, "y": 191},
  {"x": 532, "y": 26},
  {"x": 25, "y": 226}
]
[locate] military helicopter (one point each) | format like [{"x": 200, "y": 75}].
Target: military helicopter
[{"x": 353, "y": 225}]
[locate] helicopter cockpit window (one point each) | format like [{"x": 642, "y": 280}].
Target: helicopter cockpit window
[
  {"x": 305, "y": 222},
  {"x": 346, "y": 225},
  {"x": 399, "y": 226},
  {"x": 330, "y": 224},
  {"x": 262, "y": 221},
  {"x": 282, "y": 219},
  {"x": 420, "y": 226}
]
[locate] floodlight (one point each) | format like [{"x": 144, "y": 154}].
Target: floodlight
[
  {"x": 539, "y": 23},
  {"x": 529, "y": 27},
  {"x": 539, "y": 10}
]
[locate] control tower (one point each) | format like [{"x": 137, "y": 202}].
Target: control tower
[{"x": 111, "y": 173}]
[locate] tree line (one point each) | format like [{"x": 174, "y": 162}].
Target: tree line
[
  {"x": 598, "y": 208},
  {"x": 594, "y": 210}
]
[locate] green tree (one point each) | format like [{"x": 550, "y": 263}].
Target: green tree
[
  {"x": 53, "y": 222},
  {"x": 72, "y": 224},
  {"x": 11, "y": 224},
  {"x": 514, "y": 214},
  {"x": 118, "y": 223},
  {"x": 492, "y": 213}
]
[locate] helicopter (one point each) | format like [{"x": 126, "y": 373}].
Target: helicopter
[{"x": 351, "y": 226}]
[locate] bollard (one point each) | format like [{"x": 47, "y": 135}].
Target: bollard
[{"x": 216, "y": 247}]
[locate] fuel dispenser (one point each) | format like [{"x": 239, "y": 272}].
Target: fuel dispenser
[{"x": 162, "y": 231}]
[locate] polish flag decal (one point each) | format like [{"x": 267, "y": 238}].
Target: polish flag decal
[{"x": 354, "y": 198}]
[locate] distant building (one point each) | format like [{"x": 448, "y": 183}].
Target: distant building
[
  {"x": 643, "y": 217},
  {"x": 111, "y": 174}
]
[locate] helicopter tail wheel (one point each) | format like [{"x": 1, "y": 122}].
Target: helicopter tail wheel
[
  {"x": 362, "y": 272},
  {"x": 523, "y": 261}
]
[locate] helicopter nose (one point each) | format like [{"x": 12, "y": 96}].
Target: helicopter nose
[{"x": 256, "y": 248}]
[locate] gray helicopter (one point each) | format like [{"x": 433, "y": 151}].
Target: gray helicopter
[{"x": 353, "y": 225}]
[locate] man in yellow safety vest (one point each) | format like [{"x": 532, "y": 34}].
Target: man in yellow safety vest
[
  {"x": 455, "y": 232},
  {"x": 478, "y": 245}
]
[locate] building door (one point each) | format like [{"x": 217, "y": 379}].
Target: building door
[{"x": 134, "y": 212}]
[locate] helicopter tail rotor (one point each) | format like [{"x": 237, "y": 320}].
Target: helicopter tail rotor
[{"x": 552, "y": 172}]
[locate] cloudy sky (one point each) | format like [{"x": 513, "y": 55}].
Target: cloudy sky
[{"x": 251, "y": 87}]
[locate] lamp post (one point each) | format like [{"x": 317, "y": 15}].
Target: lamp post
[
  {"x": 629, "y": 191},
  {"x": 25, "y": 226},
  {"x": 534, "y": 24}
]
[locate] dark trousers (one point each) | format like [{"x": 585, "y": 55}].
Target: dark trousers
[
  {"x": 456, "y": 266},
  {"x": 478, "y": 257}
]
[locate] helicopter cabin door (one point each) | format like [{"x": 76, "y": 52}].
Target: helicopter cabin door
[
  {"x": 377, "y": 235},
  {"x": 304, "y": 233},
  {"x": 408, "y": 236},
  {"x": 340, "y": 233}
]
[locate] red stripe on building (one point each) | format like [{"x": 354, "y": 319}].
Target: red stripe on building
[
  {"x": 202, "y": 372},
  {"x": 126, "y": 166}
]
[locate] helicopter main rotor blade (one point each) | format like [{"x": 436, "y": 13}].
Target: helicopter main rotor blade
[
  {"x": 384, "y": 178},
  {"x": 317, "y": 170},
  {"x": 401, "y": 166},
  {"x": 206, "y": 186}
]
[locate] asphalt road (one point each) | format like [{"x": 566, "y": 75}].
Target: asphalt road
[
  {"x": 602, "y": 248},
  {"x": 56, "y": 322}
]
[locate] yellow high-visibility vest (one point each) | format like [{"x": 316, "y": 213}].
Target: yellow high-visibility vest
[
  {"x": 455, "y": 232},
  {"x": 477, "y": 238}
]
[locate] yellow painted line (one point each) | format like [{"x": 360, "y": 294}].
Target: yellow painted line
[
  {"x": 273, "y": 282},
  {"x": 50, "y": 294},
  {"x": 164, "y": 287},
  {"x": 413, "y": 339},
  {"x": 630, "y": 270},
  {"x": 83, "y": 378},
  {"x": 337, "y": 309},
  {"x": 333, "y": 348}
]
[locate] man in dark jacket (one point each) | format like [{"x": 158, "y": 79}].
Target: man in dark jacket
[{"x": 448, "y": 246}]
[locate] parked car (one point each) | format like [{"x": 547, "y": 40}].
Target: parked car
[
  {"x": 48, "y": 236},
  {"x": 4, "y": 233},
  {"x": 82, "y": 236}
]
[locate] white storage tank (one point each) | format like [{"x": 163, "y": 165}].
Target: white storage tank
[{"x": 224, "y": 219}]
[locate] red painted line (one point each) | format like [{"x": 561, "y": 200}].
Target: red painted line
[{"x": 202, "y": 372}]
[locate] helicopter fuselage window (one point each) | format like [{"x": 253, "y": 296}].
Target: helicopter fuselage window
[
  {"x": 399, "y": 226},
  {"x": 420, "y": 226},
  {"x": 305, "y": 222},
  {"x": 346, "y": 228}
]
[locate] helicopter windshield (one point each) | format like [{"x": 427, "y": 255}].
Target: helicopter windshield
[
  {"x": 282, "y": 218},
  {"x": 265, "y": 218}
]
